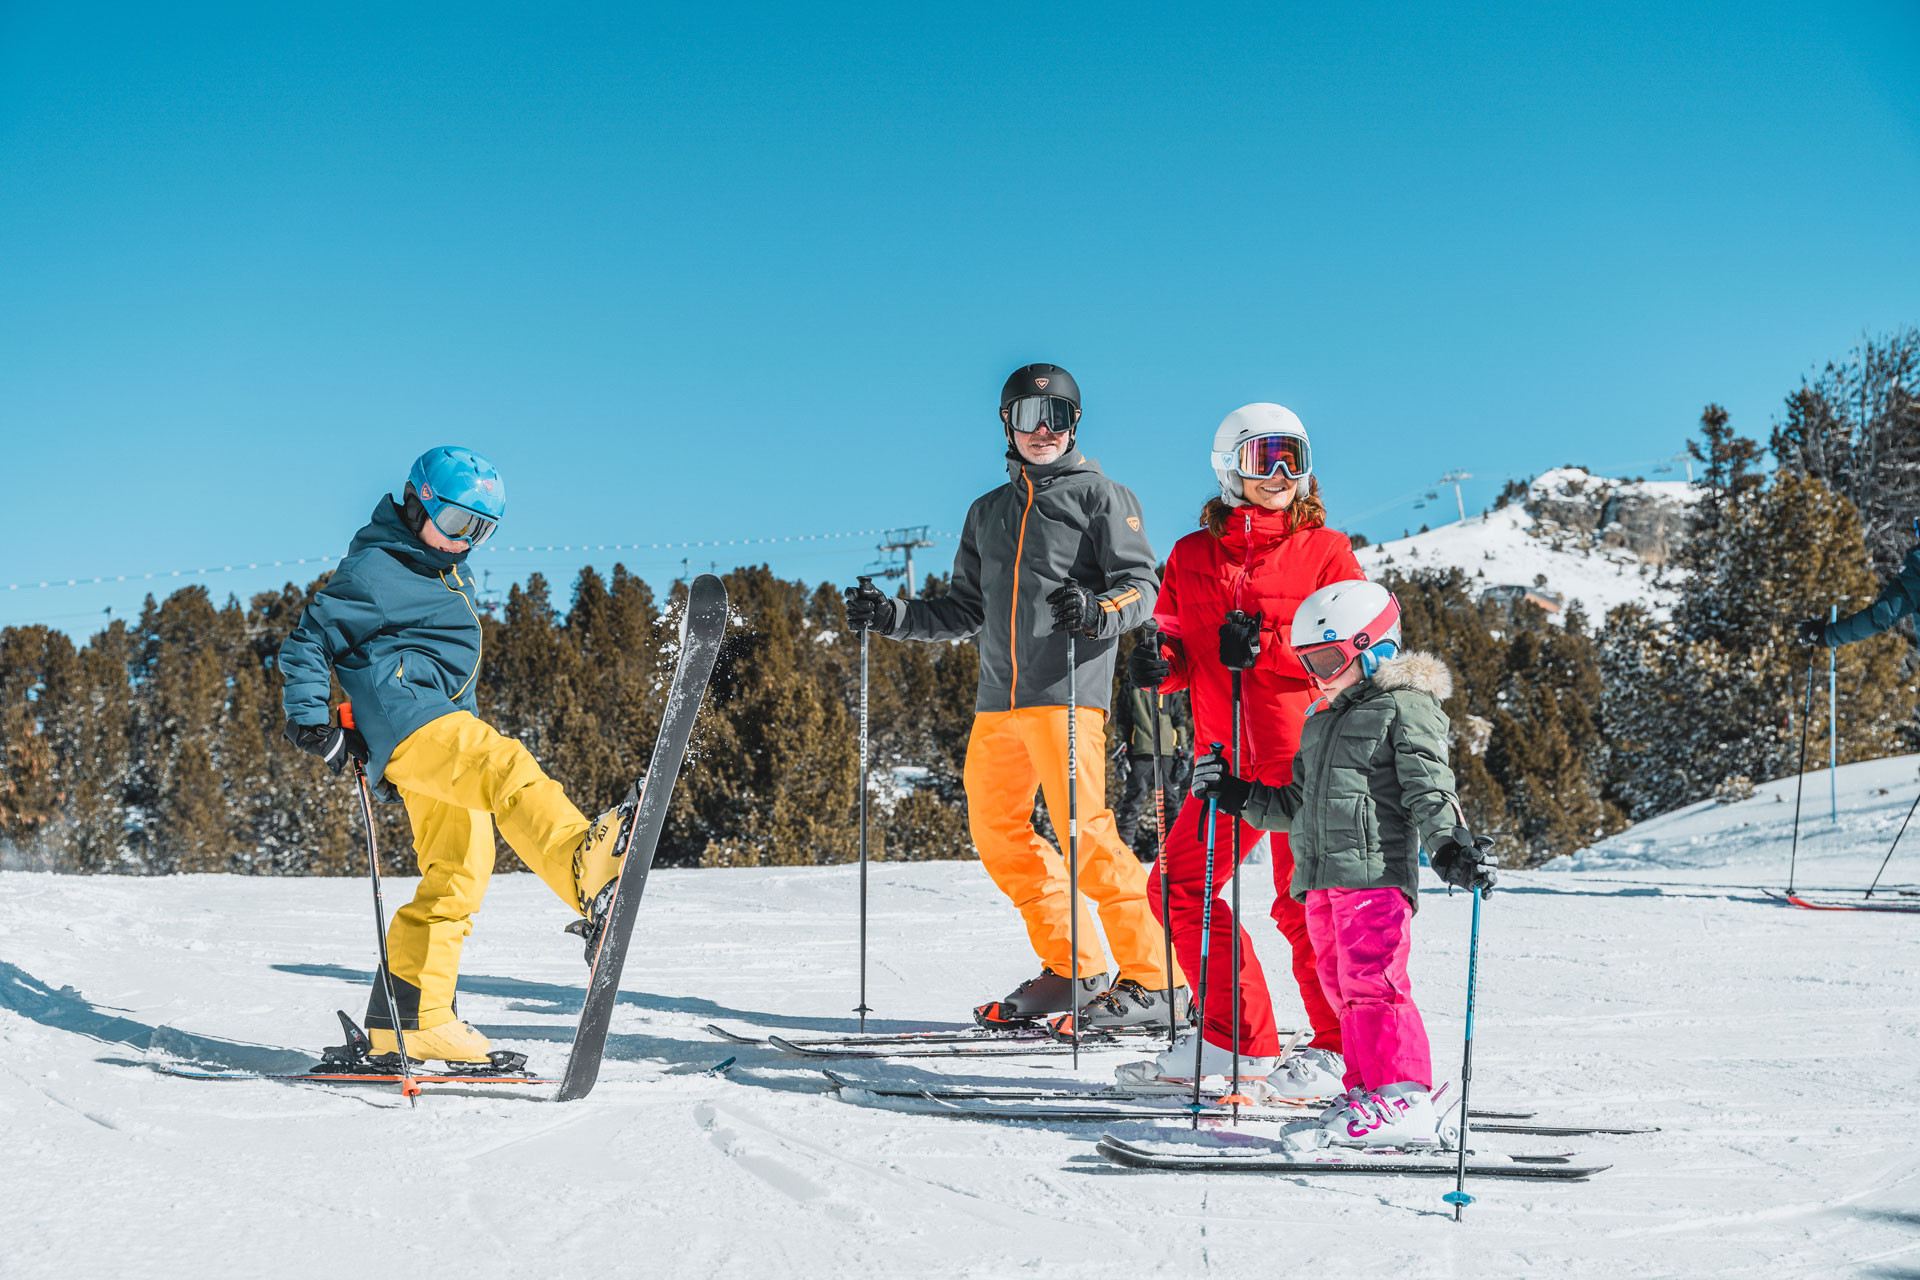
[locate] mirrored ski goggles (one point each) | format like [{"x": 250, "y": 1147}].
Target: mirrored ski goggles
[
  {"x": 459, "y": 523},
  {"x": 1264, "y": 457},
  {"x": 1325, "y": 660},
  {"x": 1030, "y": 413}
]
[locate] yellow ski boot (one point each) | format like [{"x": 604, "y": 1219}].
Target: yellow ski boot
[
  {"x": 596, "y": 869},
  {"x": 456, "y": 1043}
]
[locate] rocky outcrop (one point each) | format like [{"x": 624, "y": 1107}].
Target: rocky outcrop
[{"x": 1648, "y": 519}]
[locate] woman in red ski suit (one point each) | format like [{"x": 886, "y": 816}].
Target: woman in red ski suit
[{"x": 1258, "y": 560}]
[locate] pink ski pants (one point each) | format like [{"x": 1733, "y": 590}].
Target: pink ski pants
[{"x": 1361, "y": 938}]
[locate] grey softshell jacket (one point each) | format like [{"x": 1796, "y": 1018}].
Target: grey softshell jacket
[
  {"x": 1370, "y": 783},
  {"x": 1021, "y": 542},
  {"x": 396, "y": 624}
]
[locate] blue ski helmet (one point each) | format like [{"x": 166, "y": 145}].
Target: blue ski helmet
[{"x": 460, "y": 491}]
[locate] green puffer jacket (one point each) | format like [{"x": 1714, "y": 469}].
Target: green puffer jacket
[{"x": 1370, "y": 783}]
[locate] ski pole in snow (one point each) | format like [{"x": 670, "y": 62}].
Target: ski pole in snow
[
  {"x": 1458, "y": 1197},
  {"x": 865, "y": 633},
  {"x": 1833, "y": 726},
  {"x": 1800, "y": 782},
  {"x": 1233, "y": 1095},
  {"x": 1895, "y": 845},
  {"x": 1073, "y": 839},
  {"x": 1206, "y": 937},
  {"x": 407, "y": 1086},
  {"x": 1160, "y": 832}
]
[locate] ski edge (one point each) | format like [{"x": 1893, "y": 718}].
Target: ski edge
[{"x": 1121, "y": 1152}]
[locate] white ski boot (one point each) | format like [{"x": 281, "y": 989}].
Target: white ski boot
[
  {"x": 1172, "y": 1071},
  {"x": 1309, "y": 1074},
  {"x": 1401, "y": 1116}
]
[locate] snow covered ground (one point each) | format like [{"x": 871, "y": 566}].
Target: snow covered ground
[
  {"x": 1645, "y": 981},
  {"x": 1501, "y": 547}
]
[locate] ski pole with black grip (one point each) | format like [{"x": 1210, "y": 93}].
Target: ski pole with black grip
[
  {"x": 1208, "y": 815},
  {"x": 1152, "y": 640},
  {"x": 407, "y": 1085},
  {"x": 865, "y": 634},
  {"x": 1073, "y": 839},
  {"x": 1458, "y": 1197},
  {"x": 1800, "y": 782},
  {"x": 1233, "y": 1094}
]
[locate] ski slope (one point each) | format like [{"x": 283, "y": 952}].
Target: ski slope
[
  {"x": 1503, "y": 546},
  {"x": 1644, "y": 981}
]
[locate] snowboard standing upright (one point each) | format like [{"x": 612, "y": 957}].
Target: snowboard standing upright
[{"x": 701, "y": 632}]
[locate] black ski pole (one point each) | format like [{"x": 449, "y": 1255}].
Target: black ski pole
[
  {"x": 1806, "y": 718},
  {"x": 1073, "y": 840},
  {"x": 865, "y": 633},
  {"x": 1206, "y": 946},
  {"x": 1895, "y": 845},
  {"x": 407, "y": 1086},
  {"x": 1234, "y": 1094},
  {"x": 1160, "y": 834},
  {"x": 1458, "y": 1197}
]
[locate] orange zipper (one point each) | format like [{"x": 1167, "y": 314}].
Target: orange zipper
[{"x": 1013, "y": 616}]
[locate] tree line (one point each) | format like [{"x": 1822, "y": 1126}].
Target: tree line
[{"x": 155, "y": 747}]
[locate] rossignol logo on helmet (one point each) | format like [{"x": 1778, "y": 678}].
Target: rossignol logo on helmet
[
  {"x": 426, "y": 491},
  {"x": 1042, "y": 383},
  {"x": 1360, "y": 640},
  {"x": 1330, "y": 634}
]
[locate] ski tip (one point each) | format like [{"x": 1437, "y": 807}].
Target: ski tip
[{"x": 720, "y": 1068}]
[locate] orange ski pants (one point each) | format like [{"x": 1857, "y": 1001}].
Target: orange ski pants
[{"x": 1009, "y": 754}]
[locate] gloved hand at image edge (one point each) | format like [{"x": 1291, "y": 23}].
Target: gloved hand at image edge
[
  {"x": 1465, "y": 860},
  {"x": 333, "y": 745}
]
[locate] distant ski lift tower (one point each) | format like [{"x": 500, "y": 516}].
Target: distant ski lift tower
[
  {"x": 902, "y": 543},
  {"x": 1454, "y": 478}
]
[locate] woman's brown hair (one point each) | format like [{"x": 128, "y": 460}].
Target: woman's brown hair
[{"x": 1308, "y": 511}]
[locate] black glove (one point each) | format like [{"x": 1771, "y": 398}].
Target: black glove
[
  {"x": 1211, "y": 778},
  {"x": 1075, "y": 609},
  {"x": 869, "y": 609},
  {"x": 1813, "y": 631},
  {"x": 1147, "y": 667},
  {"x": 1465, "y": 861},
  {"x": 332, "y": 744},
  {"x": 1240, "y": 641}
]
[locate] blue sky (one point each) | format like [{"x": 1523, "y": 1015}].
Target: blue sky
[{"x": 735, "y": 273}]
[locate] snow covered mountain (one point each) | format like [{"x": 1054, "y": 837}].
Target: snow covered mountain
[
  {"x": 1646, "y": 981},
  {"x": 1573, "y": 536}
]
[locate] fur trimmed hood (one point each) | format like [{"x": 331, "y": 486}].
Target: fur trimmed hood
[{"x": 1417, "y": 670}]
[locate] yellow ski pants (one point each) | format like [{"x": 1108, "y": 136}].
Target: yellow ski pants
[
  {"x": 1009, "y": 754},
  {"x": 458, "y": 776}
]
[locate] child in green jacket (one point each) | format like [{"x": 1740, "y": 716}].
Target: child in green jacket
[{"x": 1370, "y": 784}]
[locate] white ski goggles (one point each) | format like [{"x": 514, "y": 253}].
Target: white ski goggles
[{"x": 1264, "y": 457}]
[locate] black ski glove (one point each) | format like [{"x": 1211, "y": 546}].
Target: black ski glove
[
  {"x": 1465, "y": 861},
  {"x": 869, "y": 608},
  {"x": 1240, "y": 641},
  {"x": 1075, "y": 609},
  {"x": 332, "y": 744},
  {"x": 1813, "y": 631},
  {"x": 1147, "y": 666},
  {"x": 1212, "y": 778}
]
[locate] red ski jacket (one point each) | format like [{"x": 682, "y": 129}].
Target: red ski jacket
[{"x": 1261, "y": 564}]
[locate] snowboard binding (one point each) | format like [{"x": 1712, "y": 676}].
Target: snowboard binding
[{"x": 356, "y": 1057}]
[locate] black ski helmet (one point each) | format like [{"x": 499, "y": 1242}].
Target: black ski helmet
[{"x": 1038, "y": 380}]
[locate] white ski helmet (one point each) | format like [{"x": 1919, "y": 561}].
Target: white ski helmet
[
  {"x": 1251, "y": 422},
  {"x": 1345, "y": 621}
]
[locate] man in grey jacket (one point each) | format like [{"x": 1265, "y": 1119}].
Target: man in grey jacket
[{"x": 1056, "y": 551}]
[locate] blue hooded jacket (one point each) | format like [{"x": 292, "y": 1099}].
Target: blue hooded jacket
[
  {"x": 1897, "y": 599},
  {"x": 397, "y": 624}
]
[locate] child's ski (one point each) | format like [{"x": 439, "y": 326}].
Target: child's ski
[
  {"x": 701, "y": 632},
  {"x": 994, "y": 1047},
  {"x": 1038, "y": 1033},
  {"x": 348, "y": 1077},
  {"x": 1018, "y": 1093},
  {"x": 1335, "y": 1161}
]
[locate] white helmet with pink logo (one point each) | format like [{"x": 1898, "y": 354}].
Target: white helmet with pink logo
[{"x": 1344, "y": 621}]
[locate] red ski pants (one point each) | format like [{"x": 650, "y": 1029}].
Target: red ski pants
[
  {"x": 1363, "y": 937},
  {"x": 1186, "y": 855}
]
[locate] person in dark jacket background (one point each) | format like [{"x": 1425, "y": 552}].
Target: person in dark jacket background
[
  {"x": 1057, "y": 551},
  {"x": 396, "y": 624},
  {"x": 1133, "y": 717}
]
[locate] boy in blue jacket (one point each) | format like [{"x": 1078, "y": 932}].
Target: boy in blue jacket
[{"x": 397, "y": 625}]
